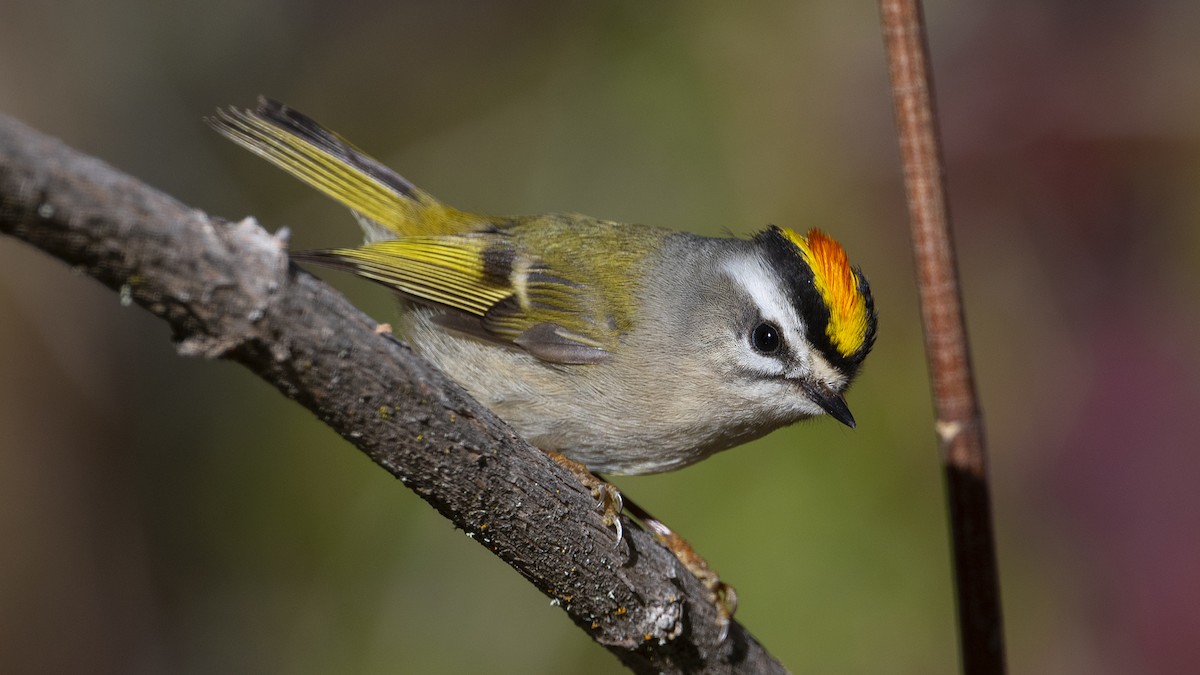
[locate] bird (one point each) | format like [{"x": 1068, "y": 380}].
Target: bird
[{"x": 617, "y": 348}]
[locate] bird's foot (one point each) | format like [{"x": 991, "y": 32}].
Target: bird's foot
[
  {"x": 609, "y": 502},
  {"x": 722, "y": 596}
]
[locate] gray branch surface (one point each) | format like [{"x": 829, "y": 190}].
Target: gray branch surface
[{"x": 228, "y": 291}]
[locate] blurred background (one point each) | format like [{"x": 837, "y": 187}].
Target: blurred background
[{"x": 161, "y": 514}]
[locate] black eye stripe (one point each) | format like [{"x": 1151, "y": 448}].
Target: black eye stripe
[
  {"x": 809, "y": 305},
  {"x": 765, "y": 337}
]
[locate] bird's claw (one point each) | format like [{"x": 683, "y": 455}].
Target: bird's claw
[
  {"x": 722, "y": 596},
  {"x": 609, "y": 502}
]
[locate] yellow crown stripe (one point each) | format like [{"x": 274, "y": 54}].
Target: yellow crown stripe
[{"x": 837, "y": 284}]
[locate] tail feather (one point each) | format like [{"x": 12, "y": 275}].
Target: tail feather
[{"x": 385, "y": 204}]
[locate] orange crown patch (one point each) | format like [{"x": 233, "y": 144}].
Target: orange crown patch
[{"x": 838, "y": 285}]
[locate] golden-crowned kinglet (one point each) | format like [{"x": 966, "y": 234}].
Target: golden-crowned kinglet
[{"x": 629, "y": 348}]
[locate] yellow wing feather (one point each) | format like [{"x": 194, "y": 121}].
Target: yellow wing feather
[
  {"x": 542, "y": 297},
  {"x": 548, "y": 309},
  {"x": 447, "y": 271}
]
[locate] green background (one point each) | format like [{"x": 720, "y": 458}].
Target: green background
[{"x": 162, "y": 514}]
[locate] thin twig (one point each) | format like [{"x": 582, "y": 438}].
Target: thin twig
[
  {"x": 228, "y": 291},
  {"x": 959, "y": 423}
]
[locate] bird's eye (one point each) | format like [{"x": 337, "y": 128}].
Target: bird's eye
[{"x": 765, "y": 338}]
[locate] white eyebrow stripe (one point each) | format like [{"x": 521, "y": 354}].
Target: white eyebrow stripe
[{"x": 751, "y": 273}]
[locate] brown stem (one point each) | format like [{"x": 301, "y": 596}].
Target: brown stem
[
  {"x": 228, "y": 291},
  {"x": 959, "y": 424}
]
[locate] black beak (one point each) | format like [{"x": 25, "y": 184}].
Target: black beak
[{"x": 831, "y": 402}]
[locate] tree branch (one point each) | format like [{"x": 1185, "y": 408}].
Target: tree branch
[{"x": 228, "y": 291}]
